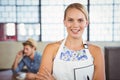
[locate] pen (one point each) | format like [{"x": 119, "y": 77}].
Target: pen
[{"x": 88, "y": 77}]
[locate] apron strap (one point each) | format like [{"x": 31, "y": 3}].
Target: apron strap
[
  {"x": 85, "y": 44},
  {"x": 60, "y": 49}
]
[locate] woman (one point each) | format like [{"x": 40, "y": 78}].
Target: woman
[{"x": 73, "y": 58}]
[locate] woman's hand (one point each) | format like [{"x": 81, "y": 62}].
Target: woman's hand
[
  {"x": 30, "y": 76},
  {"x": 44, "y": 76}
]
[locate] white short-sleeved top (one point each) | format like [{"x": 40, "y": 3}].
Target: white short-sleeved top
[{"x": 73, "y": 65}]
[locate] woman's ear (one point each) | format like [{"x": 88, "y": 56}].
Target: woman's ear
[
  {"x": 87, "y": 22},
  {"x": 64, "y": 23}
]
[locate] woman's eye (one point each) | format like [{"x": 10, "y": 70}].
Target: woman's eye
[
  {"x": 70, "y": 19},
  {"x": 80, "y": 20}
]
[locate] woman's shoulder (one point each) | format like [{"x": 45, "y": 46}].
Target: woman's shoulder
[
  {"x": 52, "y": 48},
  {"x": 94, "y": 49},
  {"x": 93, "y": 46},
  {"x": 54, "y": 44}
]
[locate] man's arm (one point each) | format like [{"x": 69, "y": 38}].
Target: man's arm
[{"x": 17, "y": 65}]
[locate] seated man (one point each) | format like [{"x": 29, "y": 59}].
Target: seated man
[{"x": 28, "y": 57}]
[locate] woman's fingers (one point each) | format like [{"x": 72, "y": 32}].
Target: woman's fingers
[
  {"x": 47, "y": 72},
  {"x": 42, "y": 76}
]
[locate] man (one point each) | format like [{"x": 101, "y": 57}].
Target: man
[{"x": 28, "y": 57}]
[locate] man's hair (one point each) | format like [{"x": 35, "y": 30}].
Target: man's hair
[{"x": 31, "y": 42}]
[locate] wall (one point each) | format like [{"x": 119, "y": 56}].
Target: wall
[{"x": 8, "y": 50}]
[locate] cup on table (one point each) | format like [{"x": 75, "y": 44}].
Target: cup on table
[{"x": 21, "y": 76}]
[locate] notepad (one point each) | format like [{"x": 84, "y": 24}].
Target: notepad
[{"x": 84, "y": 73}]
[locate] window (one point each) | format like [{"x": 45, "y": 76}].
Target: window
[
  {"x": 23, "y": 13},
  {"x": 104, "y": 20},
  {"x": 52, "y": 12},
  {"x": 8, "y": 32},
  {"x": 10, "y": 29},
  {"x": 28, "y": 30},
  {"x": 43, "y": 19}
]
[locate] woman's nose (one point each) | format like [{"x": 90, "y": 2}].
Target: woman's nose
[{"x": 76, "y": 24}]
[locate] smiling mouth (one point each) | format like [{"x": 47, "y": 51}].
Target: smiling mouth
[{"x": 75, "y": 31}]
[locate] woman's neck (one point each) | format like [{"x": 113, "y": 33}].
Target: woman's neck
[{"x": 74, "y": 43}]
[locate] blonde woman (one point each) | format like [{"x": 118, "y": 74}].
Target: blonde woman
[{"x": 73, "y": 58}]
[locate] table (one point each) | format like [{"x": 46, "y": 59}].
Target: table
[{"x": 7, "y": 75}]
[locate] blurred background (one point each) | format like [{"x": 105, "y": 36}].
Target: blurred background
[{"x": 43, "y": 21}]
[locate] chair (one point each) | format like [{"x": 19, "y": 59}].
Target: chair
[{"x": 112, "y": 63}]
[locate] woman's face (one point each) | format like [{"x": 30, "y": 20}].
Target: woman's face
[{"x": 75, "y": 23}]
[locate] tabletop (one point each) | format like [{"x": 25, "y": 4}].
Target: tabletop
[{"x": 7, "y": 75}]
